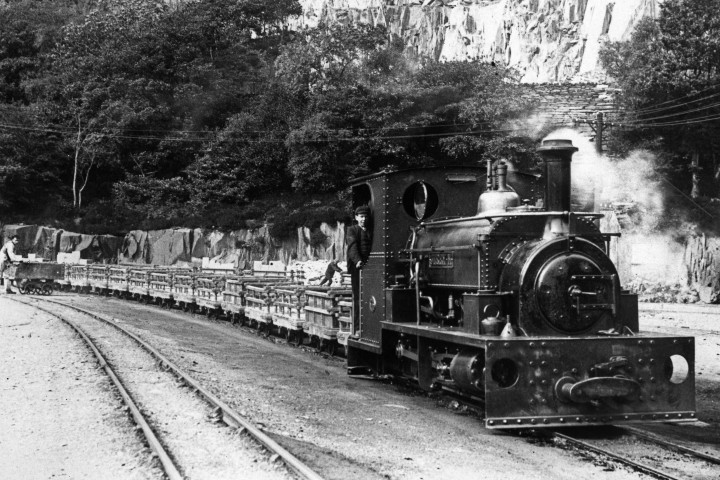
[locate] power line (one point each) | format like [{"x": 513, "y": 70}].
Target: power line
[{"x": 672, "y": 101}]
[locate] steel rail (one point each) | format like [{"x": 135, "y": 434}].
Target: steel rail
[
  {"x": 169, "y": 466},
  {"x": 671, "y": 445},
  {"x": 230, "y": 417},
  {"x": 624, "y": 460}
]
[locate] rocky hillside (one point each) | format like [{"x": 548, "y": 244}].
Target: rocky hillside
[{"x": 545, "y": 40}]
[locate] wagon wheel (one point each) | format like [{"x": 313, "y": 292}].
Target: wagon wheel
[
  {"x": 294, "y": 337},
  {"x": 47, "y": 289},
  {"x": 268, "y": 328}
]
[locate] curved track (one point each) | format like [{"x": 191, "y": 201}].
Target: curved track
[
  {"x": 222, "y": 410},
  {"x": 169, "y": 466}
]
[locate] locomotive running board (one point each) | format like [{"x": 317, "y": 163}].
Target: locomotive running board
[{"x": 527, "y": 380}]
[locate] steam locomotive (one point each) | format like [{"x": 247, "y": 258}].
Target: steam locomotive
[{"x": 474, "y": 288}]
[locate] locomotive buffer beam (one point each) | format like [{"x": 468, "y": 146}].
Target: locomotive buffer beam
[{"x": 554, "y": 381}]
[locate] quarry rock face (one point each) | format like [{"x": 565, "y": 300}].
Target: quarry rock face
[
  {"x": 45, "y": 243},
  {"x": 184, "y": 246},
  {"x": 544, "y": 40},
  {"x": 659, "y": 267}
]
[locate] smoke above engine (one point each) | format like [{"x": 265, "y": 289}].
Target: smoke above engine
[{"x": 620, "y": 184}]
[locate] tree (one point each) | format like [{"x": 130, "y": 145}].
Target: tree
[
  {"x": 28, "y": 29},
  {"x": 366, "y": 106},
  {"x": 668, "y": 72},
  {"x": 29, "y": 159},
  {"x": 137, "y": 87},
  {"x": 246, "y": 159}
]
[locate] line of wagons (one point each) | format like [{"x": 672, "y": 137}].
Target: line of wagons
[{"x": 269, "y": 297}]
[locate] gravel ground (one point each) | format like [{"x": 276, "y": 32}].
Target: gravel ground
[
  {"x": 350, "y": 428},
  {"x": 60, "y": 417}
]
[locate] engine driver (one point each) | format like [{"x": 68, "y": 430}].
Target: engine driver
[{"x": 359, "y": 243}]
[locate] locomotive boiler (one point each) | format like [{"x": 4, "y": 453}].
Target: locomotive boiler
[{"x": 487, "y": 284}]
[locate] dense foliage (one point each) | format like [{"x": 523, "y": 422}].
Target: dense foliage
[
  {"x": 137, "y": 114},
  {"x": 669, "y": 74}
]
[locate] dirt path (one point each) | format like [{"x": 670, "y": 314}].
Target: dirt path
[{"x": 364, "y": 429}]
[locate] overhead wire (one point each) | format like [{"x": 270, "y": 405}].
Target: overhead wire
[
  {"x": 672, "y": 102},
  {"x": 176, "y": 135}
]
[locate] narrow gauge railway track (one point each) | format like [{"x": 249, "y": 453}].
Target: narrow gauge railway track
[
  {"x": 644, "y": 452},
  {"x": 221, "y": 411}
]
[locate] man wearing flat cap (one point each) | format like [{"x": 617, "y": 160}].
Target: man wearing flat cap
[{"x": 359, "y": 243}]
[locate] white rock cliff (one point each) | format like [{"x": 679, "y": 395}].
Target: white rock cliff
[{"x": 544, "y": 40}]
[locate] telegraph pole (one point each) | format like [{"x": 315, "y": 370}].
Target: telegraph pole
[{"x": 599, "y": 132}]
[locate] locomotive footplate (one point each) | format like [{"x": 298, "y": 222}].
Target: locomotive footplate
[{"x": 588, "y": 381}]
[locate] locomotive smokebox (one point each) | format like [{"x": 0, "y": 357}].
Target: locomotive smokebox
[{"x": 557, "y": 154}]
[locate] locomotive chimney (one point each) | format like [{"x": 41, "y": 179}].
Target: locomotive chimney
[{"x": 557, "y": 154}]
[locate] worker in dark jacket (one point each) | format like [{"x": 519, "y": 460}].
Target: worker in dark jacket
[
  {"x": 330, "y": 272},
  {"x": 359, "y": 243}
]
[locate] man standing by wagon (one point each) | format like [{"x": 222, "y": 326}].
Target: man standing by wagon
[
  {"x": 7, "y": 256},
  {"x": 359, "y": 243}
]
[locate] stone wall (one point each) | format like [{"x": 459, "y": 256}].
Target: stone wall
[{"x": 574, "y": 105}]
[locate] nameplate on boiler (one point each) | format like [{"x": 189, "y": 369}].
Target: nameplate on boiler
[{"x": 440, "y": 260}]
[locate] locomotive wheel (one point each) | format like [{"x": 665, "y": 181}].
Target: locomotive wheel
[
  {"x": 47, "y": 290},
  {"x": 22, "y": 290}
]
